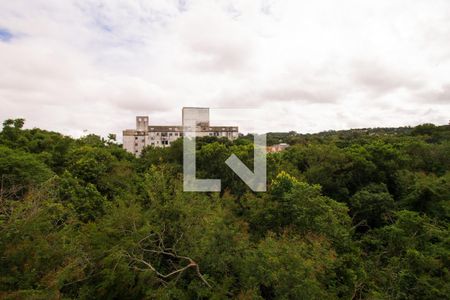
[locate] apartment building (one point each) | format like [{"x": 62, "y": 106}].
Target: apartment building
[{"x": 194, "y": 119}]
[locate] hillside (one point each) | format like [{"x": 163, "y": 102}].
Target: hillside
[{"x": 355, "y": 214}]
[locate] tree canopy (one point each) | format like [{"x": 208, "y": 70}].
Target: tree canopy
[{"x": 357, "y": 214}]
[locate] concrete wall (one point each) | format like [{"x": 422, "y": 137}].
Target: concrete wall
[
  {"x": 128, "y": 143},
  {"x": 135, "y": 142},
  {"x": 141, "y": 123}
]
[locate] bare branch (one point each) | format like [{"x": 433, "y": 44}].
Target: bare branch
[{"x": 162, "y": 250}]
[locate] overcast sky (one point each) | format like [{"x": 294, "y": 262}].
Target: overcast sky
[{"x": 307, "y": 66}]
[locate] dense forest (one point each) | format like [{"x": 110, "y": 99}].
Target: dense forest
[{"x": 357, "y": 214}]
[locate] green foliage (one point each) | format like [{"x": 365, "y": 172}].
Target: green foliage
[
  {"x": 90, "y": 164},
  {"x": 409, "y": 258},
  {"x": 359, "y": 214},
  {"x": 19, "y": 171},
  {"x": 301, "y": 207},
  {"x": 84, "y": 199},
  {"x": 289, "y": 268},
  {"x": 38, "y": 239},
  {"x": 11, "y": 133},
  {"x": 429, "y": 194},
  {"x": 371, "y": 206}
]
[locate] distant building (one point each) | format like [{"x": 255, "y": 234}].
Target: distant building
[
  {"x": 135, "y": 140},
  {"x": 277, "y": 147}
]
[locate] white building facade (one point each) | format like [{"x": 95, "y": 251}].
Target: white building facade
[{"x": 135, "y": 140}]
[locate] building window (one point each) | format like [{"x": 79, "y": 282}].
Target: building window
[
  {"x": 157, "y": 133},
  {"x": 170, "y": 134},
  {"x": 136, "y": 138}
]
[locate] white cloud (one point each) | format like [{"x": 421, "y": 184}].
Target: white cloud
[{"x": 91, "y": 64}]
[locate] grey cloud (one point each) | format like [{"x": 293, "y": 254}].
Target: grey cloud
[
  {"x": 94, "y": 64},
  {"x": 214, "y": 40},
  {"x": 301, "y": 94},
  {"x": 440, "y": 96},
  {"x": 290, "y": 88},
  {"x": 136, "y": 95},
  {"x": 380, "y": 80},
  {"x": 219, "y": 56}
]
